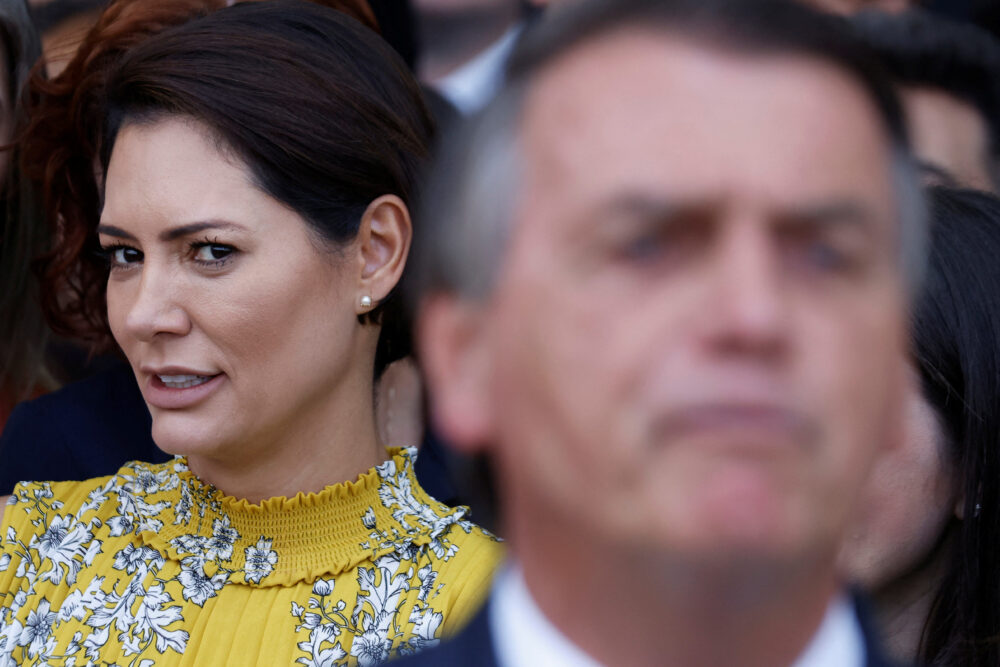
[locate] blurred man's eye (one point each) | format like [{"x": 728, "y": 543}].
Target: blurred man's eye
[
  {"x": 644, "y": 248},
  {"x": 821, "y": 256},
  {"x": 669, "y": 241},
  {"x": 825, "y": 256}
]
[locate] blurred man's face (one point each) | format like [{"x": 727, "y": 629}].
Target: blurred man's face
[
  {"x": 694, "y": 342},
  {"x": 951, "y": 135}
]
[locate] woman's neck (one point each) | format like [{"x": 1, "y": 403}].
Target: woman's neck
[
  {"x": 276, "y": 477},
  {"x": 333, "y": 441}
]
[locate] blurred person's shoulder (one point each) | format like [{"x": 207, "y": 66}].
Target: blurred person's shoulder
[
  {"x": 473, "y": 647},
  {"x": 84, "y": 430}
]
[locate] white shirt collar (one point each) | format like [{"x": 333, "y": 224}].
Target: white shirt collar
[
  {"x": 839, "y": 640},
  {"x": 473, "y": 85},
  {"x": 522, "y": 635}
]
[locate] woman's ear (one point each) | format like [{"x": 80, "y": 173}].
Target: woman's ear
[{"x": 383, "y": 243}]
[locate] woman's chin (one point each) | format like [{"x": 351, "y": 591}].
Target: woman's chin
[{"x": 182, "y": 436}]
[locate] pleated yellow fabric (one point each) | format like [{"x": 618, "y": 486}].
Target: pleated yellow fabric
[{"x": 153, "y": 567}]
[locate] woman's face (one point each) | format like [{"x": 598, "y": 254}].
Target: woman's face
[
  {"x": 240, "y": 326},
  {"x": 910, "y": 498}
]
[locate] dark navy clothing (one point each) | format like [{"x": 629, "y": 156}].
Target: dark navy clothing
[
  {"x": 86, "y": 429},
  {"x": 473, "y": 646}
]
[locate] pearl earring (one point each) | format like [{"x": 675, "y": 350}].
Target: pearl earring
[{"x": 366, "y": 301}]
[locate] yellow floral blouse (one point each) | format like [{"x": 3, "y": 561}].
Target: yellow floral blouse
[{"x": 153, "y": 567}]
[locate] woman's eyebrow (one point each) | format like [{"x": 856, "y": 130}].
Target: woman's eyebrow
[
  {"x": 111, "y": 230},
  {"x": 195, "y": 227},
  {"x": 174, "y": 232}
]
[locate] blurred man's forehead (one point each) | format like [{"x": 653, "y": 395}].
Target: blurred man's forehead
[
  {"x": 618, "y": 69},
  {"x": 653, "y": 112}
]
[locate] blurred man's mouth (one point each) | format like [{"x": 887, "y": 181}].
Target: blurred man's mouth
[{"x": 738, "y": 424}]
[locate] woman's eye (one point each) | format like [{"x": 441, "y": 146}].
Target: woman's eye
[
  {"x": 122, "y": 256},
  {"x": 212, "y": 252},
  {"x": 127, "y": 255}
]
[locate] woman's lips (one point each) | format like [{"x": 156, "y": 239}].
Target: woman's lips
[{"x": 180, "y": 390}]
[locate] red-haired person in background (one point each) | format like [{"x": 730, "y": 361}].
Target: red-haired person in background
[{"x": 23, "y": 233}]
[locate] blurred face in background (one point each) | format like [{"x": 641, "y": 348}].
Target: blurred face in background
[
  {"x": 950, "y": 135},
  {"x": 909, "y": 500},
  {"x": 694, "y": 342}
]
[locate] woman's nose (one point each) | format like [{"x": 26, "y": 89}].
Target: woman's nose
[{"x": 155, "y": 307}]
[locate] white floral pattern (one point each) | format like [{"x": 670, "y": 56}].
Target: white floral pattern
[{"x": 89, "y": 586}]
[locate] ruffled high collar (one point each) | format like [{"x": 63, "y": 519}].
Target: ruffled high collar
[{"x": 283, "y": 541}]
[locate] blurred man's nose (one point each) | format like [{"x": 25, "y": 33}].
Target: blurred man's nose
[{"x": 746, "y": 311}]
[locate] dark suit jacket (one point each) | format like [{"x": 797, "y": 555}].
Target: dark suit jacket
[{"x": 473, "y": 647}]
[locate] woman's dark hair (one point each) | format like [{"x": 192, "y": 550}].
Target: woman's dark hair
[
  {"x": 23, "y": 232},
  {"x": 956, "y": 325},
  {"x": 60, "y": 149},
  {"x": 321, "y": 110}
]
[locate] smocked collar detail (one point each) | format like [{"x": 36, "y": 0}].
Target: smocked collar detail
[{"x": 283, "y": 541}]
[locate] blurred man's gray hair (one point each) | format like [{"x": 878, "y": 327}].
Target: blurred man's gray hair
[{"x": 472, "y": 192}]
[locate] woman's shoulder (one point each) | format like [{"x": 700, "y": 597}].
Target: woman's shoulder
[
  {"x": 34, "y": 507},
  {"x": 461, "y": 557}
]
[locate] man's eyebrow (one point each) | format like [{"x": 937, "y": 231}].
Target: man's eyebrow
[
  {"x": 832, "y": 214},
  {"x": 651, "y": 207}
]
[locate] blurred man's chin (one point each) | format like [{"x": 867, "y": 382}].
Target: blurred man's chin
[
  {"x": 735, "y": 556},
  {"x": 733, "y": 523}
]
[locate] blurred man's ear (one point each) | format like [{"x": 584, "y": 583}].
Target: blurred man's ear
[{"x": 452, "y": 343}]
